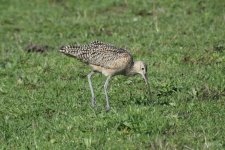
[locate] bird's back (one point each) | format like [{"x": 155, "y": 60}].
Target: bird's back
[{"x": 100, "y": 54}]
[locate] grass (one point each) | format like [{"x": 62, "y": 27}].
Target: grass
[{"x": 45, "y": 98}]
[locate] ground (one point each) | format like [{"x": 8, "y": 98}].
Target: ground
[{"x": 45, "y": 101}]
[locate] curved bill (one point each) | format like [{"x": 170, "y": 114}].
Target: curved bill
[
  {"x": 146, "y": 79},
  {"x": 147, "y": 84}
]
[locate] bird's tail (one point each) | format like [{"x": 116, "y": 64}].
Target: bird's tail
[
  {"x": 74, "y": 51},
  {"x": 64, "y": 49}
]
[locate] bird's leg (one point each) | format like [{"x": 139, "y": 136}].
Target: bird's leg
[
  {"x": 93, "y": 100},
  {"x": 106, "y": 95}
]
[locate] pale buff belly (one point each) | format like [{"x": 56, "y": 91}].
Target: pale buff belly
[{"x": 105, "y": 71}]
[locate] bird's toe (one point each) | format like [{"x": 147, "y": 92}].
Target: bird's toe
[
  {"x": 93, "y": 102},
  {"x": 107, "y": 108}
]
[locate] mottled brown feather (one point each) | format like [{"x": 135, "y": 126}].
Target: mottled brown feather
[{"x": 100, "y": 54}]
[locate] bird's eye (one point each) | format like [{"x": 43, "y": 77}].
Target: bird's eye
[{"x": 142, "y": 68}]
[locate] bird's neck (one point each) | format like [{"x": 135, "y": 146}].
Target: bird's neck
[{"x": 132, "y": 70}]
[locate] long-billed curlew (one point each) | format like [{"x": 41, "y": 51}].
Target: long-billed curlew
[{"x": 108, "y": 60}]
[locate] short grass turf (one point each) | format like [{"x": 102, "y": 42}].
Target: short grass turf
[{"x": 45, "y": 97}]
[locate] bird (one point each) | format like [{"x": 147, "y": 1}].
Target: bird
[{"x": 107, "y": 59}]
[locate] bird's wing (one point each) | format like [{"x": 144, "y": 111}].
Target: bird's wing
[{"x": 100, "y": 54}]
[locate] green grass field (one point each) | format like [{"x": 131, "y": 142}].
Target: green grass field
[{"x": 45, "y": 101}]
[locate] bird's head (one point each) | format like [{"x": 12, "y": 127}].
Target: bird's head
[{"x": 141, "y": 68}]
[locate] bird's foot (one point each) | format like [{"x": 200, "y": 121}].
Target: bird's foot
[
  {"x": 107, "y": 108},
  {"x": 93, "y": 101}
]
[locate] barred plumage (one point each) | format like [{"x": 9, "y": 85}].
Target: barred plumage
[
  {"x": 106, "y": 59},
  {"x": 100, "y": 54}
]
